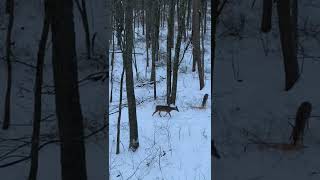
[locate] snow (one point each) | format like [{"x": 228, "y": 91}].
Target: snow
[
  {"x": 259, "y": 104},
  {"x": 170, "y": 148}
]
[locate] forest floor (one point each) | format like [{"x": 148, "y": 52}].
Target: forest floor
[
  {"x": 259, "y": 106},
  {"x": 173, "y": 148},
  {"x": 26, "y": 35}
]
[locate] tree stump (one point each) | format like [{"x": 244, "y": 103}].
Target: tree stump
[
  {"x": 204, "y": 101},
  {"x": 302, "y": 118}
]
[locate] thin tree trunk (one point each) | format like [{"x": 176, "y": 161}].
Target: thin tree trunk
[
  {"x": 169, "y": 47},
  {"x": 155, "y": 42},
  {"x": 84, "y": 16},
  {"x": 181, "y": 24},
  {"x": 112, "y": 65},
  {"x": 37, "y": 97},
  {"x": 132, "y": 114},
  {"x": 294, "y": 16},
  {"x": 119, "y": 116},
  {"x": 7, "y": 111}
]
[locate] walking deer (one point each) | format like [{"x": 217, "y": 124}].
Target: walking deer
[{"x": 166, "y": 109}]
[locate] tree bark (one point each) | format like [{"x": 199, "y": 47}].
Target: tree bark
[
  {"x": 132, "y": 114},
  {"x": 196, "y": 51},
  {"x": 266, "y": 23},
  {"x": 181, "y": 24},
  {"x": 7, "y": 111},
  {"x": 291, "y": 66},
  {"x": 68, "y": 109},
  {"x": 169, "y": 47},
  {"x": 37, "y": 96},
  {"x": 119, "y": 116},
  {"x": 85, "y": 24}
]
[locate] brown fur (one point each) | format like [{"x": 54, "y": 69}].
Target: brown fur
[{"x": 166, "y": 109}]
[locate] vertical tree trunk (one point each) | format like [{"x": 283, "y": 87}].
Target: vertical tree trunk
[
  {"x": 205, "y": 8},
  {"x": 155, "y": 44},
  {"x": 37, "y": 96},
  {"x": 291, "y": 65},
  {"x": 189, "y": 14},
  {"x": 112, "y": 65},
  {"x": 181, "y": 24},
  {"x": 7, "y": 111},
  {"x": 169, "y": 47},
  {"x": 196, "y": 40},
  {"x": 119, "y": 116},
  {"x": 266, "y": 23},
  {"x": 83, "y": 12},
  {"x": 119, "y": 16},
  {"x": 68, "y": 109},
  {"x": 294, "y": 16},
  {"x": 134, "y": 141}
]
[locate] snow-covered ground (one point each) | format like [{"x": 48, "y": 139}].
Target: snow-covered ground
[
  {"x": 173, "y": 148},
  {"x": 259, "y": 103},
  {"x": 29, "y": 14}
]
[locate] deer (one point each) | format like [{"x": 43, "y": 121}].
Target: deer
[
  {"x": 167, "y": 109},
  {"x": 302, "y": 118}
]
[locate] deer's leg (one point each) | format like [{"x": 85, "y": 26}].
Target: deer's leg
[
  {"x": 160, "y": 114},
  {"x": 169, "y": 114},
  {"x": 154, "y": 113},
  {"x": 166, "y": 114}
]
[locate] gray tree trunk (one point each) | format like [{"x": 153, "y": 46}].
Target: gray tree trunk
[
  {"x": 7, "y": 111},
  {"x": 196, "y": 51},
  {"x": 181, "y": 24},
  {"x": 133, "y": 124},
  {"x": 37, "y": 96}
]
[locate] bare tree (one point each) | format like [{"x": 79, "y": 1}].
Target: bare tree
[
  {"x": 119, "y": 116},
  {"x": 68, "y": 109},
  {"x": 127, "y": 57},
  {"x": 84, "y": 16},
  {"x": 181, "y": 24},
  {"x": 288, "y": 46},
  {"x": 196, "y": 51},
  {"x": 37, "y": 96},
  {"x": 266, "y": 16},
  {"x": 155, "y": 44},
  {"x": 169, "y": 47},
  {"x": 10, "y": 11}
]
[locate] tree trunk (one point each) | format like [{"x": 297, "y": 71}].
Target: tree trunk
[
  {"x": 294, "y": 16},
  {"x": 196, "y": 40},
  {"x": 68, "y": 109},
  {"x": 266, "y": 23},
  {"x": 169, "y": 47},
  {"x": 155, "y": 44},
  {"x": 133, "y": 124},
  {"x": 181, "y": 24},
  {"x": 119, "y": 116},
  {"x": 37, "y": 96},
  {"x": 291, "y": 65},
  {"x": 112, "y": 65},
  {"x": 119, "y": 17},
  {"x": 7, "y": 111},
  {"x": 83, "y": 12}
]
